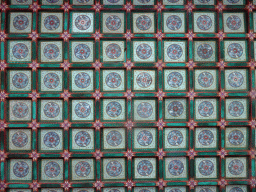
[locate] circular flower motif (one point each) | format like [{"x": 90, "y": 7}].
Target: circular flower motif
[
  {"x": 52, "y": 169},
  {"x": 113, "y": 22},
  {"x": 20, "y": 110},
  {"x": 174, "y": 22},
  {"x": 204, "y": 51},
  {"x": 82, "y": 51},
  {"x": 204, "y": 22},
  {"x": 205, "y": 190},
  {"x": 236, "y": 189},
  {"x": 236, "y": 108},
  {"x": 114, "y": 138},
  {"x": 205, "y": 109},
  {"x": 82, "y": 80},
  {"x": 144, "y": 167},
  {"x": 235, "y": 79},
  {"x": 206, "y": 167},
  {"x": 144, "y": 51},
  {"x": 175, "y": 108},
  {"x": 205, "y": 137},
  {"x": 236, "y": 167},
  {"x": 144, "y": 80},
  {"x": 82, "y": 109},
  {"x": 20, "y": 22},
  {"x": 51, "y": 22},
  {"x": 83, "y": 22},
  {"x": 82, "y": 169},
  {"x": 144, "y": 138},
  {"x": 114, "y": 168},
  {"x": 52, "y": 1},
  {"x": 143, "y": 22},
  {"x": 21, "y": 169},
  {"x": 20, "y": 80},
  {"x": 234, "y": 22},
  {"x": 51, "y": 110},
  {"x": 83, "y": 1},
  {"x": 51, "y": 139},
  {"x": 20, "y": 51},
  {"x": 233, "y": 1},
  {"x": 235, "y": 50},
  {"x": 113, "y": 1},
  {"x": 113, "y": 51},
  {"x": 175, "y": 167},
  {"x": 144, "y": 110},
  {"x": 114, "y": 109},
  {"x": 205, "y": 79},
  {"x": 177, "y": 190},
  {"x": 114, "y": 190},
  {"x": 236, "y": 137},
  {"x": 51, "y": 51},
  {"x": 175, "y": 79},
  {"x": 144, "y": 1},
  {"x": 51, "y": 80},
  {"x": 113, "y": 80},
  {"x": 82, "y": 139},
  {"x": 174, "y": 51},
  {"x": 175, "y": 138},
  {"x": 20, "y": 139},
  {"x": 21, "y": 1}
]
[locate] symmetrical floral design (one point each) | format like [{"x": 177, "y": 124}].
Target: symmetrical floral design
[
  {"x": 2, "y": 35},
  {"x": 34, "y": 155},
  {"x": 98, "y": 185},
  {"x": 160, "y": 153},
  {"x": 220, "y": 35},
  {"x": 35, "y": 186},
  {"x": 159, "y": 35},
  {"x": 66, "y": 124},
  {"x": 128, "y": 7},
  {"x": 160, "y": 64},
  {"x": 66, "y": 185},
  {"x": 3, "y": 65},
  {"x": 3, "y": 95},
  {"x": 97, "y": 124},
  {"x": 97, "y": 65},
  {"x": 34, "y": 124},
  {"x": 65, "y": 95},
  {"x": 220, "y": 7},
  {"x": 97, "y": 95},
  {"x": 192, "y": 153},
  {"x": 35, "y": 6},
  {"x": 150, "y": 87},
  {"x": 222, "y": 182},
  {"x": 97, "y": 35},
  {"x": 66, "y": 155},
  {"x": 98, "y": 154},
  {"x": 160, "y": 94},
  {"x": 3, "y": 155},
  {"x": 33, "y": 35},
  {"x": 129, "y": 94},
  {"x": 161, "y": 183},
  {"x": 192, "y": 183},
  {"x": 129, "y": 154},
  {"x": 129, "y": 184},
  {"x": 128, "y": 35},
  {"x": 65, "y": 35}
]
